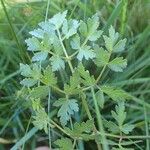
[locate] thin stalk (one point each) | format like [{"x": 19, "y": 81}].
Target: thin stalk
[
  {"x": 26, "y": 131},
  {"x": 48, "y": 5},
  {"x": 99, "y": 120},
  {"x": 90, "y": 118},
  {"x": 74, "y": 143},
  {"x": 58, "y": 89},
  {"x": 86, "y": 107},
  {"x": 65, "y": 52},
  {"x": 74, "y": 9},
  {"x": 49, "y": 129},
  {"x": 100, "y": 75},
  {"x": 58, "y": 127},
  {"x": 124, "y": 137}
]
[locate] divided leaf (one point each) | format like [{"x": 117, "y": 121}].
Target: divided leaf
[
  {"x": 86, "y": 79},
  {"x": 41, "y": 120},
  {"x": 40, "y": 56},
  {"x": 67, "y": 108},
  {"x": 81, "y": 130},
  {"x": 112, "y": 127},
  {"x": 36, "y": 105},
  {"x": 70, "y": 27},
  {"x": 111, "y": 40},
  {"x": 100, "y": 98},
  {"x": 114, "y": 93},
  {"x": 28, "y": 82},
  {"x": 118, "y": 64},
  {"x": 58, "y": 19},
  {"x": 72, "y": 88},
  {"x": 120, "y": 115},
  {"x": 102, "y": 56},
  {"x": 25, "y": 70},
  {"x": 85, "y": 52},
  {"x": 111, "y": 43},
  {"x": 75, "y": 42},
  {"x": 33, "y": 44},
  {"x": 39, "y": 92},
  {"x": 57, "y": 63},
  {"x": 32, "y": 74},
  {"x": 38, "y": 33},
  {"x": 89, "y": 30},
  {"x": 48, "y": 77},
  {"x": 120, "y": 46},
  {"x": 64, "y": 144}
]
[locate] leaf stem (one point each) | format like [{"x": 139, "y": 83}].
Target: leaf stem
[
  {"x": 49, "y": 128},
  {"x": 60, "y": 128},
  {"x": 99, "y": 120},
  {"x": 100, "y": 75},
  {"x": 90, "y": 117},
  {"x": 86, "y": 106},
  {"x": 46, "y": 15},
  {"x": 65, "y": 52},
  {"x": 125, "y": 137}
]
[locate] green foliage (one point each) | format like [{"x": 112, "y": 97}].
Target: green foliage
[
  {"x": 102, "y": 56},
  {"x": 58, "y": 19},
  {"x": 67, "y": 108},
  {"x": 86, "y": 79},
  {"x": 57, "y": 63},
  {"x": 100, "y": 98},
  {"x": 119, "y": 115},
  {"x": 39, "y": 92},
  {"x": 36, "y": 104},
  {"x": 87, "y": 39},
  {"x": 48, "y": 77},
  {"x": 114, "y": 93},
  {"x": 41, "y": 120},
  {"x": 72, "y": 88},
  {"x": 81, "y": 130},
  {"x": 118, "y": 64},
  {"x": 89, "y": 29},
  {"x": 65, "y": 46},
  {"x": 64, "y": 144},
  {"x": 70, "y": 28},
  {"x": 32, "y": 74}
]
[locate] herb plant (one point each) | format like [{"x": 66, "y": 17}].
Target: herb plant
[{"x": 69, "y": 59}]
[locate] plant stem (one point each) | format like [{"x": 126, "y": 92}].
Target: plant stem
[
  {"x": 100, "y": 75},
  {"x": 99, "y": 120},
  {"x": 65, "y": 52},
  {"x": 49, "y": 129},
  {"x": 86, "y": 106},
  {"x": 124, "y": 137},
  {"x": 90, "y": 117},
  {"x": 46, "y": 15},
  {"x": 60, "y": 128}
]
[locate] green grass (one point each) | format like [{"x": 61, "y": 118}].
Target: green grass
[{"x": 130, "y": 17}]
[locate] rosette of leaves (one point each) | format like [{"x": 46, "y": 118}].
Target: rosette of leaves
[{"x": 61, "y": 48}]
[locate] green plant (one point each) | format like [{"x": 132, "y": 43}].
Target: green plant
[{"x": 64, "y": 50}]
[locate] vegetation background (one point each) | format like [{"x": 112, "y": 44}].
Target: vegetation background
[{"x": 18, "y": 17}]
